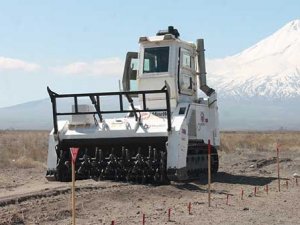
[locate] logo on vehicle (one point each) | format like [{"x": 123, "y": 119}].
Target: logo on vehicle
[
  {"x": 202, "y": 117},
  {"x": 160, "y": 114}
]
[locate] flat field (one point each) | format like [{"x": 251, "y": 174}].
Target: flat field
[{"x": 247, "y": 162}]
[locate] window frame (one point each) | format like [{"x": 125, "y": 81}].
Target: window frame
[{"x": 144, "y": 58}]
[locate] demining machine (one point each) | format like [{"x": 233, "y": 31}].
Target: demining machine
[{"x": 156, "y": 129}]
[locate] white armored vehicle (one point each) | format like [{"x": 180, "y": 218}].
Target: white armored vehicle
[{"x": 161, "y": 127}]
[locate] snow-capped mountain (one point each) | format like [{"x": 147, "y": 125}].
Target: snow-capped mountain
[{"x": 269, "y": 69}]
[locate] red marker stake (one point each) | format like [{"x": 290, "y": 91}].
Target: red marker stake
[
  {"x": 113, "y": 222},
  {"x": 144, "y": 219},
  {"x": 190, "y": 207},
  {"x": 242, "y": 194},
  {"x": 169, "y": 215},
  {"x": 227, "y": 200},
  {"x": 254, "y": 191}
]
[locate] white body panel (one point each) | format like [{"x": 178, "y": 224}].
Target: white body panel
[
  {"x": 205, "y": 129},
  {"x": 52, "y": 142}
]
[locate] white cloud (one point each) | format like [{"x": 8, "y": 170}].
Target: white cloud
[
  {"x": 17, "y": 64},
  {"x": 100, "y": 67}
]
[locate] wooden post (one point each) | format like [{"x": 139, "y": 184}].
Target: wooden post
[
  {"x": 189, "y": 208},
  {"x": 209, "y": 171},
  {"x": 169, "y": 215},
  {"x": 73, "y": 194},
  {"x": 144, "y": 219},
  {"x": 278, "y": 170},
  {"x": 242, "y": 194},
  {"x": 227, "y": 199},
  {"x": 74, "y": 152}
]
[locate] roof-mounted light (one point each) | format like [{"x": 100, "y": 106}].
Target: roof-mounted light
[{"x": 170, "y": 30}]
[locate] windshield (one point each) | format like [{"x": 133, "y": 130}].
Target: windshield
[{"x": 156, "y": 60}]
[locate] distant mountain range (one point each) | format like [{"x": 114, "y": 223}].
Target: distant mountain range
[
  {"x": 37, "y": 115},
  {"x": 31, "y": 115},
  {"x": 258, "y": 89}
]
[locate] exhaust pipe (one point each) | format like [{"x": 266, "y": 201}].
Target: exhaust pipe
[{"x": 201, "y": 68}]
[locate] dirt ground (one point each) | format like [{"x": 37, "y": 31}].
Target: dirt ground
[{"x": 26, "y": 197}]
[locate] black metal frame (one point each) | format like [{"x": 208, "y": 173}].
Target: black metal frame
[{"x": 96, "y": 100}]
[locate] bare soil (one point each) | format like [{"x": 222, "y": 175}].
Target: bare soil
[{"x": 26, "y": 197}]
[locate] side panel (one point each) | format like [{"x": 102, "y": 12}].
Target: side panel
[
  {"x": 183, "y": 139},
  {"x": 214, "y": 120},
  {"x": 52, "y": 157},
  {"x": 203, "y": 123},
  {"x": 52, "y": 142},
  {"x": 177, "y": 140},
  {"x": 207, "y": 122}
]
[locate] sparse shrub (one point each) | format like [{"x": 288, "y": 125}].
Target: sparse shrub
[
  {"x": 27, "y": 162},
  {"x": 23, "y": 149}
]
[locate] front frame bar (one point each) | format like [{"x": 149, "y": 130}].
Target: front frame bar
[{"x": 54, "y": 96}]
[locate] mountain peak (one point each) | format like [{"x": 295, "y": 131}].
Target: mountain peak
[
  {"x": 294, "y": 25},
  {"x": 270, "y": 68},
  {"x": 284, "y": 42}
]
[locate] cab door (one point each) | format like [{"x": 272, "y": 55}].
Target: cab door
[
  {"x": 187, "y": 73},
  {"x": 129, "y": 80}
]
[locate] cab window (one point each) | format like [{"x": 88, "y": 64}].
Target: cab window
[
  {"x": 186, "y": 60},
  {"x": 133, "y": 68},
  {"x": 156, "y": 60}
]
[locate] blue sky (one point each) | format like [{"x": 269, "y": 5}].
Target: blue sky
[{"x": 79, "y": 46}]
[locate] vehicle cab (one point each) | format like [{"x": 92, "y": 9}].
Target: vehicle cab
[{"x": 163, "y": 59}]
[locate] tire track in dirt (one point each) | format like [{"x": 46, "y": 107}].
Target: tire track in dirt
[{"x": 18, "y": 198}]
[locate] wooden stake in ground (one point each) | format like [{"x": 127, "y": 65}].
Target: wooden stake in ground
[
  {"x": 209, "y": 170},
  {"x": 144, "y": 219},
  {"x": 278, "y": 171},
  {"x": 242, "y": 194},
  {"x": 74, "y": 152},
  {"x": 189, "y": 208}
]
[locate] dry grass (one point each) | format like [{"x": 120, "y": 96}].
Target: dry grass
[
  {"x": 260, "y": 141},
  {"x": 25, "y": 149}
]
